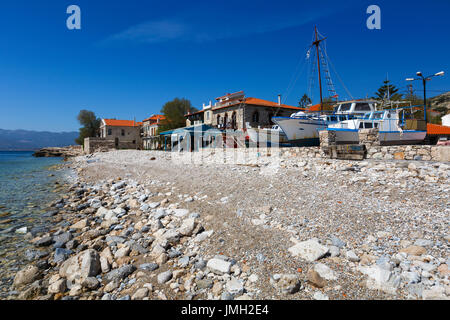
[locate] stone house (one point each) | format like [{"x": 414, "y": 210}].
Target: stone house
[
  {"x": 237, "y": 112},
  {"x": 150, "y": 139},
  {"x": 126, "y": 134}
]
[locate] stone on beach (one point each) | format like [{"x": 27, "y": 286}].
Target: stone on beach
[
  {"x": 414, "y": 250},
  {"x": 140, "y": 294},
  {"x": 325, "y": 272},
  {"x": 315, "y": 279},
  {"x": 219, "y": 266},
  {"x": 180, "y": 212},
  {"x": 309, "y": 250},
  {"x": 164, "y": 277},
  {"x": 57, "y": 287},
  {"x": 234, "y": 286},
  {"x": 286, "y": 283},
  {"x": 27, "y": 275},
  {"x": 80, "y": 224},
  {"x": 120, "y": 273}
]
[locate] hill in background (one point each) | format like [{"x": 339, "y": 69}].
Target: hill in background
[
  {"x": 441, "y": 103},
  {"x": 32, "y": 140}
]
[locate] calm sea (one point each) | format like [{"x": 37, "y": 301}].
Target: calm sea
[{"x": 27, "y": 186}]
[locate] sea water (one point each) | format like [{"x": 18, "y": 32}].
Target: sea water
[{"x": 27, "y": 187}]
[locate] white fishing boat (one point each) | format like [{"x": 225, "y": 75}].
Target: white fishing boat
[
  {"x": 303, "y": 128},
  {"x": 393, "y": 128}
]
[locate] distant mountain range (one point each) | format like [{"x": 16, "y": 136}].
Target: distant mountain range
[{"x": 32, "y": 140}]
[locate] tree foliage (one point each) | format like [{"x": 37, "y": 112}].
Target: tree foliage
[
  {"x": 175, "y": 112},
  {"x": 388, "y": 92},
  {"x": 304, "y": 101},
  {"x": 90, "y": 123},
  {"x": 414, "y": 99}
]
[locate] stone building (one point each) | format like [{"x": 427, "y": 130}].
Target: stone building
[
  {"x": 237, "y": 112},
  {"x": 150, "y": 139},
  {"x": 126, "y": 134}
]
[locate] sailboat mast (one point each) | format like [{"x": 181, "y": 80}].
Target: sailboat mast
[{"x": 316, "y": 43}]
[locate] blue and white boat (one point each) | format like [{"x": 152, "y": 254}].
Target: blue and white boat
[
  {"x": 302, "y": 128},
  {"x": 393, "y": 128}
]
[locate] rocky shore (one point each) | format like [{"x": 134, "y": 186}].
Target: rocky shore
[
  {"x": 139, "y": 225},
  {"x": 69, "y": 151}
]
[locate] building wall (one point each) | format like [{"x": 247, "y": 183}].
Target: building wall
[
  {"x": 130, "y": 140},
  {"x": 150, "y": 138},
  {"x": 130, "y": 133},
  {"x": 208, "y": 117},
  {"x": 246, "y": 114},
  {"x": 446, "y": 120},
  {"x": 229, "y": 112}
]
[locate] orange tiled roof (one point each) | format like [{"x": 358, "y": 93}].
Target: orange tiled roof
[
  {"x": 192, "y": 113},
  {"x": 156, "y": 117},
  {"x": 261, "y": 103},
  {"x": 122, "y": 123},
  {"x": 437, "y": 129},
  {"x": 313, "y": 108}
]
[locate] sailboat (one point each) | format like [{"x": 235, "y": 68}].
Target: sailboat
[{"x": 302, "y": 128}]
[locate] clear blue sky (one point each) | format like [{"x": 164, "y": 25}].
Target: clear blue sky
[{"x": 130, "y": 57}]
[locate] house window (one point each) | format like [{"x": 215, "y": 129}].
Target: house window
[
  {"x": 207, "y": 116},
  {"x": 123, "y": 132},
  {"x": 134, "y": 141},
  {"x": 233, "y": 121},
  {"x": 109, "y": 132},
  {"x": 255, "y": 116}
]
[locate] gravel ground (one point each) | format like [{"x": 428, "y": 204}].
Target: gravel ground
[{"x": 382, "y": 226}]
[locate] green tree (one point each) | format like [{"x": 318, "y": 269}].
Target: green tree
[
  {"x": 175, "y": 112},
  {"x": 388, "y": 92},
  {"x": 328, "y": 103},
  {"x": 304, "y": 101},
  {"x": 414, "y": 99},
  {"x": 90, "y": 123}
]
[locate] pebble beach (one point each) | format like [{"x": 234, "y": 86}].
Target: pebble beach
[{"x": 143, "y": 225}]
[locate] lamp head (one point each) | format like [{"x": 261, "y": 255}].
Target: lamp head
[
  {"x": 419, "y": 73},
  {"x": 440, "y": 73},
  {"x": 409, "y": 79}
]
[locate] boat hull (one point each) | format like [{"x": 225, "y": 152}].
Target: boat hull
[
  {"x": 301, "y": 132},
  {"x": 348, "y": 136},
  {"x": 266, "y": 136}
]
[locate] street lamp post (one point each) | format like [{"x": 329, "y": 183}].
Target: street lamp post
[{"x": 424, "y": 81}]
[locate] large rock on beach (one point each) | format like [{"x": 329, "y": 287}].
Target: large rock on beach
[
  {"x": 27, "y": 275},
  {"x": 309, "y": 250}
]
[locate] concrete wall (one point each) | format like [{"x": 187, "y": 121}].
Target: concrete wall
[
  {"x": 97, "y": 144},
  {"x": 101, "y": 144}
]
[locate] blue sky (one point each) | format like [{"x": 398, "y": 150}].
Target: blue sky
[{"x": 130, "y": 57}]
